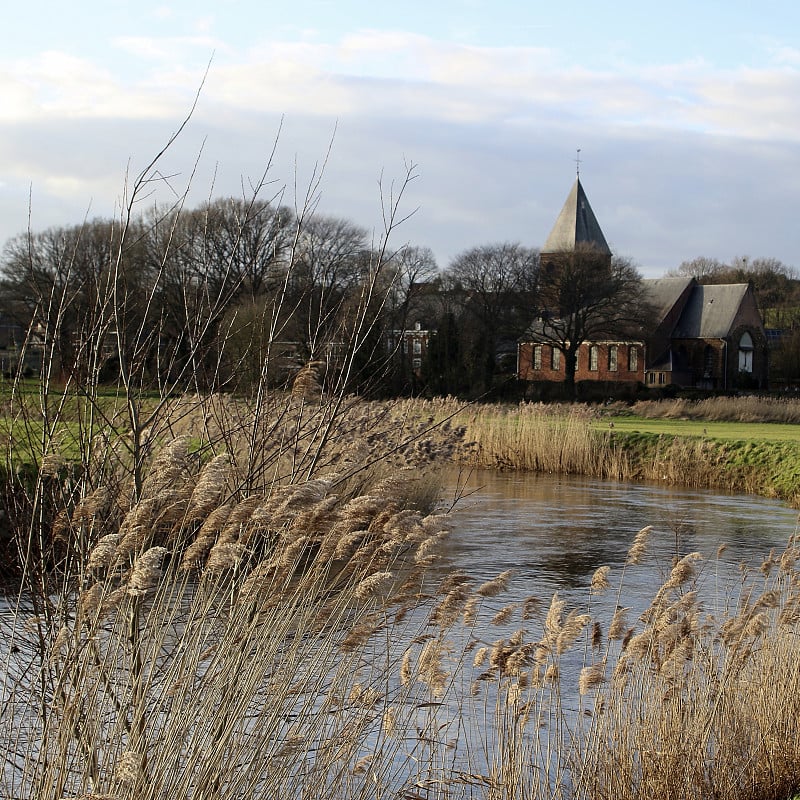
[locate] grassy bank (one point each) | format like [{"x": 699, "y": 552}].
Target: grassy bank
[
  {"x": 700, "y": 428},
  {"x": 753, "y": 466},
  {"x": 750, "y": 457}
]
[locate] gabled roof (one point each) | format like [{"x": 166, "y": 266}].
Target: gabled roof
[
  {"x": 664, "y": 293},
  {"x": 576, "y": 225},
  {"x": 710, "y": 311}
]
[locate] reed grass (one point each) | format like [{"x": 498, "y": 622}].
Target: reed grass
[
  {"x": 751, "y": 408},
  {"x": 207, "y": 643},
  {"x": 291, "y": 639},
  {"x": 262, "y": 621},
  {"x": 564, "y": 439}
]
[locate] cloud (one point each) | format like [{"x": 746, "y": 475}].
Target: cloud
[
  {"x": 398, "y": 74},
  {"x": 407, "y": 75},
  {"x": 172, "y": 49},
  {"x": 680, "y": 159},
  {"x": 55, "y": 85}
]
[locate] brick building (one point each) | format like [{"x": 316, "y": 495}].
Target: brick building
[
  {"x": 412, "y": 344},
  {"x": 619, "y": 362},
  {"x": 708, "y": 337}
]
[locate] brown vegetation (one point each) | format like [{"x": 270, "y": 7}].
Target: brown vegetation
[
  {"x": 184, "y": 629},
  {"x": 288, "y": 644},
  {"x": 722, "y": 409},
  {"x": 562, "y": 439}
]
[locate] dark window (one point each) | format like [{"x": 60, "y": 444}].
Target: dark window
[{"x": 708, "y": 361}]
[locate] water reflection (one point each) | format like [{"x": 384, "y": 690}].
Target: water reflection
[{"x": 555, "y": 531}]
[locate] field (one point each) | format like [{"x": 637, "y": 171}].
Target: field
[{"x": 752, "y": 431}]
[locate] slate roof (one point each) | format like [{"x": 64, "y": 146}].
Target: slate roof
[
  {"x": 663, "y": 293},
  {"x": 576, "y": 225},
  {"x": 710, "y": 311}
]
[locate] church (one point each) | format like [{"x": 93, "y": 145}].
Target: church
[{"x": 699, "y": 336}]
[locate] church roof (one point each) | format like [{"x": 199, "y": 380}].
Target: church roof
[
  {"x": 664, "y": 293},
  {"x": 710, "y": 311},
  {"x": 576, "y": 225}
]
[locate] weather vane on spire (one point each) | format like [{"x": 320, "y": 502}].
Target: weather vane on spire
[{"x": 578, "y": 162}]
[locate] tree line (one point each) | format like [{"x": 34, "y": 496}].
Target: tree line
[
  {"x": 232, "y": 292},
  {"x": 235, "y": 292},
  {"x": 201, "y": 298}
]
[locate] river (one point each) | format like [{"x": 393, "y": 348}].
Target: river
[{"x": 555, "y": 531}]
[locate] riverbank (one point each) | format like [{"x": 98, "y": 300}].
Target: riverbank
[
  {"x": 278, "y": 608},
  {"x": 612, "y": 444}
]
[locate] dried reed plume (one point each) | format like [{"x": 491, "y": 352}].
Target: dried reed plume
[
  {"x": 373, "y": 585},
  {"x": 600, "y": 579},
  {"x": 639, "y": 545},
  {"x": 430, "y": 666},
  {"x": 104, "y": 553},
  {"x": 146, "y": 571},
  {"x": 591, "y": 677},
  {"x": 496, "y": 585}
]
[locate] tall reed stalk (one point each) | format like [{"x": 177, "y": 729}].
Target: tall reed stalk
[{"x": 196, "y": 562}]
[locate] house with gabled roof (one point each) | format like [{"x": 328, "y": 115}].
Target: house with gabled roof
[
  {"x": 706, "y": 336},
  {"x": 703, "y": 336}
]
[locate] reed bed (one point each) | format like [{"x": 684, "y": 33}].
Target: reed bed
[
  {"x": 723, "y": 409},
  {"x": 299, "y": 643},
  {"x": 204, "y": 638},
  {"x": 562, "y": 439},
  {"x": 545, "y": 440},
  {"x": 271, "y": 621}
]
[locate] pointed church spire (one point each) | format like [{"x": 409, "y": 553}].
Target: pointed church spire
[{"x": 576, "y": 225}]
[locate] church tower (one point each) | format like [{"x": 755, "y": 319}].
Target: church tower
[
  {"x": 576, "y": 252},
  {"x": 576, "y": 229}
]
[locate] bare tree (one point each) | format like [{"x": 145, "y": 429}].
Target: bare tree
[
  {"x": 247, "y": 244},
  {"x": 701, "y": 268},
  {"x": 497, "y": 284},
  {"x": 585, "y": 297},
  {"x": 329, "y": 262}
]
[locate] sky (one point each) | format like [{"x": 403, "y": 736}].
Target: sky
[{"x": 686, "y": 115}]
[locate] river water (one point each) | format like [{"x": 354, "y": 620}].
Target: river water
[{"x": 555, "y": 531}]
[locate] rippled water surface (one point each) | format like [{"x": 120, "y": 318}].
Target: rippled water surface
[{"x": 555, "y": 531}]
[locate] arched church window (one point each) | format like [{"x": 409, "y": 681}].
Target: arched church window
[
  {"x": 746, "y": 353},
  {"x": 594, "y": 353},
  {"x": 633, "y": 359}
]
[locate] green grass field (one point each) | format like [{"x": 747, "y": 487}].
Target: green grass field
[{"x": 752, "y": 431}]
